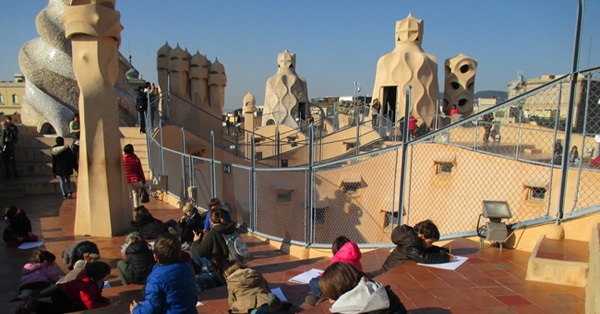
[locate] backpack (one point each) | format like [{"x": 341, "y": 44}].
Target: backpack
[
  {"x": 75, "y": 252},
  {"x": 238, "y": 250}
]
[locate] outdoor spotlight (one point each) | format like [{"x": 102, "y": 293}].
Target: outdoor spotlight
[{"x": 494, "y": 230}]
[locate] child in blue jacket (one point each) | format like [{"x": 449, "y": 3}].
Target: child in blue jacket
[{"x": 170, "y": 287}]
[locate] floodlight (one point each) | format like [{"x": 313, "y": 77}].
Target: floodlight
[
  {"x": 494, "y": 230},
  {"x": 496, "y": 210}
]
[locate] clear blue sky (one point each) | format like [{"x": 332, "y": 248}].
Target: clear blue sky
[{"x": 336, "y": 42}]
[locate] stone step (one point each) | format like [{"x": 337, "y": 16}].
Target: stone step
[
  {"x": 25, "y": 130},
  {"x": 34, "y": 162},
  {"x": 563, "y": 262},
  {"x": 32, "y": 185}
]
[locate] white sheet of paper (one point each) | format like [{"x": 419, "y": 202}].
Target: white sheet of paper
[
  {"x": 279, "y": 294},
  {"x": 306, "y": 276},
  {"x": 450, "y": 265},
  {"x": 30, "y": 245}
]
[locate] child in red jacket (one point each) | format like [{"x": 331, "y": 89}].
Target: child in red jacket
[
  {"x": 80, "y": 289},
  {"x": 343, "y": 250}
]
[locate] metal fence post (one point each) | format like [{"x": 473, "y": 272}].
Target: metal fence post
[
  {"x": 253, "y": 208},
  {"x": 162, "y": 152},
  {"x": 310, "y": 208},
  {"x": 404, "y": 151},
  {"x": 185, "y": 195},
  {"x": 213, "y": 173},
  {"x": 569, "y": 121}
]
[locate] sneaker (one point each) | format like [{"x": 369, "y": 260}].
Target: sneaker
[
  {"x": 27, "y": 307},
  {"x": 173, "y": 231},
  {"x": 185, "y": 246}
]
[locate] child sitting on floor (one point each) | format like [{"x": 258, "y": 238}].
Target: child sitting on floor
[
  {"x": 138, "y": 262},
  {"x": 343, "y": 250},
  {"x": 248, "y": 291},
  {"x": 37, "y": 275},
  {"x": 416, "y": 244},
  {"x": 18, "y": 227},
  {"x": 80, "y": 289},
  {"x": 350, "y": 291},
  {"x": 170, "y": 287},
  {"x": 190, "y": 222},
  {"x": 148, "y": 226}
]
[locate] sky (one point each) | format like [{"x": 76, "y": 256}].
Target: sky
[{"x": 336, "y": 42}]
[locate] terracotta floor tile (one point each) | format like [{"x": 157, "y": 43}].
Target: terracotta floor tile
[
  {"x": 496, "y": 291},
  {"x": 559, "y": 309},
  {"x": 483, "y": 301},
  {"x": 499, "y": 310},
  {"x": 529, "y": 309},
  {"x": 491, "y": 281},
  {"x": 512, "y": 300}
]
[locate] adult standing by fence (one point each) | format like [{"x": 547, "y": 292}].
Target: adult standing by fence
[
  {"x": 142, "y": 107},
  {"x": 376, "y": 107}
]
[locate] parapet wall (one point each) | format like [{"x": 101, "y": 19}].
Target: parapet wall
[{"x": 592, "y": 289}]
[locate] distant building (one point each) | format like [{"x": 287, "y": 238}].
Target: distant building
[
  {"x": 11, "y": 95},
  {"x": 540, "y": 113}
]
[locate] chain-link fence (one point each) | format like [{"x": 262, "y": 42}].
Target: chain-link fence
[
  {"x": 586, "y": 133},
  {"x": 512, "y": 152}
]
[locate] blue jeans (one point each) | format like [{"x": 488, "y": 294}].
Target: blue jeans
[
  {"x": 208, "y": 277},
  {"x": 65, "y": 184},
  {"x": 314, "y": 286}
]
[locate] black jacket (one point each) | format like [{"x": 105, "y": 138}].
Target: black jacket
[
  {"x": 149, "y": 227},
  {"x": 62, "y": 160},
  {"x": 140, "y": 260},
  {"x": 410, "y": 246},
  {"x": 17, "y": 226},
  {"x": 189, "y": 225},
  {"x": 141, "y": 101},
  {"x": 213, "y": 245}
]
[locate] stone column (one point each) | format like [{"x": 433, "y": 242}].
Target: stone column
[{"x": 103, "y": 207}]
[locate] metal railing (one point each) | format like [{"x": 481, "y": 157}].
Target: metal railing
[{"x": 449, "y": 172}]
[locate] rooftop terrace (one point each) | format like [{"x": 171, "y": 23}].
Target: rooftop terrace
[{"x": 491, "y": 281}]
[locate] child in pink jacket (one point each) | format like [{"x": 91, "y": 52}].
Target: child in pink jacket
[
  {"x": 343, "y": 250},
  {"x": 37, "y": 275}
]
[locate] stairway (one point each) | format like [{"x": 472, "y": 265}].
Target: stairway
[
  {"x": 132, "y": 135},
  {"x": 34, "y": 162}
]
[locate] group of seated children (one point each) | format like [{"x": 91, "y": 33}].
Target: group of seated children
[
  {"x": 172, "y": 278},
  {"x": 350, "y": 290},
  {"x": 80, "y": 289}
]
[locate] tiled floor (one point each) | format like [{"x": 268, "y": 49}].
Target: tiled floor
[
  {"x": 564, "y": 250},
  {"x": 491, "y": 281}
]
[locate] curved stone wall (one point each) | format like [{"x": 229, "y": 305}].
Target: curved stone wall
[{"x": 51, "y": 91}]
